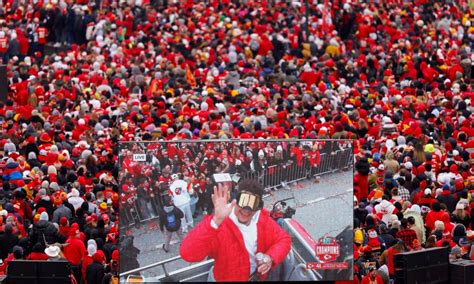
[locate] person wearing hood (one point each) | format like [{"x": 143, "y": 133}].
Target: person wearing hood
[
  {"x": 459, "y": 232},
  {"x": 170, "y": 222},
  {"x": 415, "y": 213},
  {"x": 91, "y": 250},
  {"x": 44, "y": 230},
  {"x": 33, "y": 160},
  {"x": 44, "y": 201},
  {"x": 74, "y": 199},
  {"x": 95, "y": 272}
]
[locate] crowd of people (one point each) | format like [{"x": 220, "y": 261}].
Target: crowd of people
[
  {"x": 275, "y": 164},
  {"x": 395, "y": 76}
]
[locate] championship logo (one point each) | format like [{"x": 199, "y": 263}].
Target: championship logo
[{"x": 327, "y": 249}]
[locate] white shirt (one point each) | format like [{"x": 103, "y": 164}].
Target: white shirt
[
  {"x": 249, "y": 234},
  {"x": 179, "y": 189}
]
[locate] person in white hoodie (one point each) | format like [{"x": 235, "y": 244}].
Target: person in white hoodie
[
  {"x": 181, "y": 199},
  {"x": 74, "y": 199}
]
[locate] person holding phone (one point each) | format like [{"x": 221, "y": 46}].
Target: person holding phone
[{"x": 236, "y": 234}]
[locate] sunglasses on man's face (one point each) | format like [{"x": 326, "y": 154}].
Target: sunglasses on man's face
[{"x": 248, "y": 200}]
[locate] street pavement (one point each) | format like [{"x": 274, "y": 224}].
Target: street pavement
[{"x": 323, "y": 209}]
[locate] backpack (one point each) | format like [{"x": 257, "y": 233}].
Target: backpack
[{"x": 171, "y": 222}]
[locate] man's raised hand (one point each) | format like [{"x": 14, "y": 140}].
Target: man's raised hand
[{"x": 222, "y": 208}]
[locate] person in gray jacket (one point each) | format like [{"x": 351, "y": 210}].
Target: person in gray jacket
[{"x": 61, "y": 211}]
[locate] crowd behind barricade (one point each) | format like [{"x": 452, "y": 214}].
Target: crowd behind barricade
[
  {"x": 394, "y": 76},
  {"x": 274, "y": 164}
]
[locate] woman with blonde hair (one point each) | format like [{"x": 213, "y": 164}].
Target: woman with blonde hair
[
  {"x": 460, "y": 216},
  {"x": 390, "y": 163},
  {"x": 419, "y": 156}
]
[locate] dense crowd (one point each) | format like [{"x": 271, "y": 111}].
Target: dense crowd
[
  {"x": 145, "y": 184},
  {"x": 396, "y": 77}
]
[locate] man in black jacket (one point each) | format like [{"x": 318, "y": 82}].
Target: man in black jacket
[
  {"x": 170, "y": 222},
  {"x": 43, "y": 230},
  {"x": 7, "y": 241},
  {"x": 448, "y": 198},
  {"x": 95, "y": 271}
]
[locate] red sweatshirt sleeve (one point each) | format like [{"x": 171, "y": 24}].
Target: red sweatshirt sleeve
[
  {"x": 281, "y": 243},
  {"x": 200, "y": 242}
]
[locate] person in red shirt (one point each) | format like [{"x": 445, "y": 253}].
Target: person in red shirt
[
  {"x": 372, "y": 277},
  {"x": 91, "y": 250},
  {"x": 4, "y": 47},
  {"x": 75, "y": 251},
  {"x": 224, "y": 235},
  {"x": 387, "y": 257},
  {"x": 37, "y": 253},
  {"x": 434, "y": 215},
  {"x": 42, "y": 33}
]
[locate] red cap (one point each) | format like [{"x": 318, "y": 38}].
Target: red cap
[{"x": 63, "y": 221}]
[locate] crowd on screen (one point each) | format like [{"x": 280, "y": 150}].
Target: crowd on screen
[{"x": 395, "y": 77}]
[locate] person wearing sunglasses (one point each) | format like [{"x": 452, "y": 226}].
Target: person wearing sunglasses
[{"x": 236, "y": 233}]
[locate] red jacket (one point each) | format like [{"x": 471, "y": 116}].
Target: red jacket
[
  {"x": 85, "y": 262},
  {"x": 75, "y": 251},
  {"x": 431, "y": 217},
  {"x": 226, "y": 246}
]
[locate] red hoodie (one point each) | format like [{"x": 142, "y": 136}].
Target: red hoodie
[
  {"x": 431, "y": 217},
  {"x": 227, "y": 247},
  {"x": 75, "y": 251}
]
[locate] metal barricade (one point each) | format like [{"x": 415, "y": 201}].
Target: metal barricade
[{"x": 273, "y": 176}]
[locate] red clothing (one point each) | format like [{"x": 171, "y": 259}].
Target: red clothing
[
  {"x": 3, "y": 44},
  {"x": 37, "y": 256},
  {"x": 85, "y": 262},
  {"x": 362, "y": 182},
  {"x": 75, "y": 251},
  {"x": 407, "y": 236},
  {"x": 226, "y": 246},
  {"x": 427, "y": 201},
  {"x": 366, "y": 279},
  {"x": 390, "y": 253},
  {"x": 431, "y": 217},
  {"x": 42, "y": 34}
]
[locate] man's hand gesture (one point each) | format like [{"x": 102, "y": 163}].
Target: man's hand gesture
[{"x": 222, "y": 208}]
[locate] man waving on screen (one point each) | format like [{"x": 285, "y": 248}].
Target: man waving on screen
[{"x": 235, "y": 234}]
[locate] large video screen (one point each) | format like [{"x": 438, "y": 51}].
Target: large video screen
[{"x": 236, "y": 210}]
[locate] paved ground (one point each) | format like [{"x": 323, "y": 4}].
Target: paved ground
[{"x": 323, "y": 208}]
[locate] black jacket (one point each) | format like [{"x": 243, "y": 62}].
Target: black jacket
[
  {"x": 95, "y": 273},
  {"x": 109, "y": 249},
  {"x": 449, "y": 200},
  {"x": 51, "y": 234},
  {"x": 7, "y": 242},
  {"x": 46, "y": 204},
  {"x": 177, "y": 213}
]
